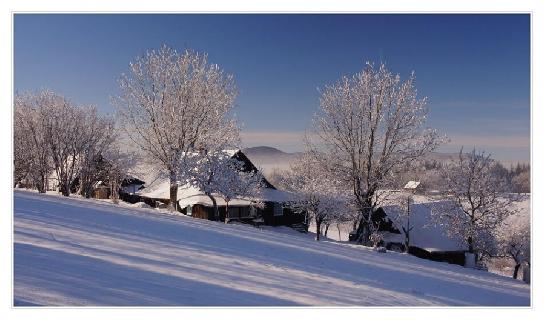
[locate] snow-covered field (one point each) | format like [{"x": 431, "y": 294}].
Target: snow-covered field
[{"x": 79, "y": 252}]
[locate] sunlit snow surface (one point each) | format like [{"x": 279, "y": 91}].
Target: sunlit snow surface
[{"x": 77, "y": 252}]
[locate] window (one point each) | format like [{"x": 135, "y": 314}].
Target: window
[{"x": 189, "y": 210}]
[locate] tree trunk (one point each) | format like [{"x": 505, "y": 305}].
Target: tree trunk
[
  {"x": 318, "y": 229},
  {"x": 406, "y": 240},
  {"x": 86, "y": 188},
  {"x": 364, "y": 229},
  {"x": 470, "y": 245},
  {"x": 173, "y": 192},
  {"x": 226, "y": 212},
  {"x": 326, "y": 229},
  {"x": 364, "y": 235},
  {"x": 65, "y": 188},
  {"x": 516, "y": 272},
  {"x": 215, "y": 206},
  {"x": 82, "y": 182},
  {"x": 114, "y": 194},
  {"x": 366, "y": 232},
  {"x": 41, "y": 184}
]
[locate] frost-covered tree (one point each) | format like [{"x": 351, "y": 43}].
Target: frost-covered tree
[
  {"x": 97, "y": 135},
  {"x": 521, "y": 182},
  {"x": 32, "y": 155},
  {"x": 368, "y": 126},
  {"x": 173, "y": 103},
  {"x": 477, "y": 202},
  {"x": 205, "y": 168},
  {"x": 219, "y": 174},
  {"x": 207, "y": 171},
  {"x": 235, "y": 183},
  {"x": 340, "y": 215},
  {"x": 513, "y": 241},
  {"x": 317, "y": 195},
  {"x": 202, "y": 171},
  {"x": 376, "y": 237},
  {"x": 23, "y": 140},
  {"x": 66, "y": 136},
  {"x": 53, "y": 134},
  {"x": 118, "y": 164}
]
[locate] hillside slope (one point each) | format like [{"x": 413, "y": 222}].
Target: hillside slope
[{"x": 80, "y": 252}]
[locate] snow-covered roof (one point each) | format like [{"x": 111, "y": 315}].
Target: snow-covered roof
[
  {"x": 99, "y": 184},
  {"x": 231, "y": 152},
  {"x": 189, "y": 195},
  {"x": 411, "y": 185},
  {"x": 425, "y": 234},
  {"x": 433, "y": 237},
  {"x": 157, "y": 185}
]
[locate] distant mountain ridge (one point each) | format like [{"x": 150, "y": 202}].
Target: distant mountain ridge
[
  {"x": 270, "y": 158},
  {"x": 264, "y": 150}
]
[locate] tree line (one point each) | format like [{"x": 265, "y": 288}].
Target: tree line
[{"x": 57, "y": 143}]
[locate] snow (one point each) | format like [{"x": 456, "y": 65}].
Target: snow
[
  {"x": 425, "y": 234},
  {"x": 433, "y": 237},
  {"x": 411, "y": 185},
  {"x": 132, "y": 188},
  {"x": 231, "y": 152},
  {"x": 140, "y": 205},
  {"x": 158, "y": 187},
  {"x": 522, "y": 208},
  {"x": 189, "y": 195},
  {"x": 70, "y": 251}
]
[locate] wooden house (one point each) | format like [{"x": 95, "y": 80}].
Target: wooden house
[
  {"x": 427, "y": 240},
  {"x": 193, "y": 202}
]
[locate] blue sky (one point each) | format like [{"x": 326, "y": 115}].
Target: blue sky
[{"x": 475, "y": 69}]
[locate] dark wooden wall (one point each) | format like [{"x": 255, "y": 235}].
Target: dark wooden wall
[
  {"x": 101, "y": 193},
  {"x": 201, "y": 212}
]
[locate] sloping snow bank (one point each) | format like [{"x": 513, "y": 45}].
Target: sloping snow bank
[{"x": 78, "y": 252}]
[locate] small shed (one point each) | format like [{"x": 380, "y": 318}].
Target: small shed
[{"x": 101, "y": 191}]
